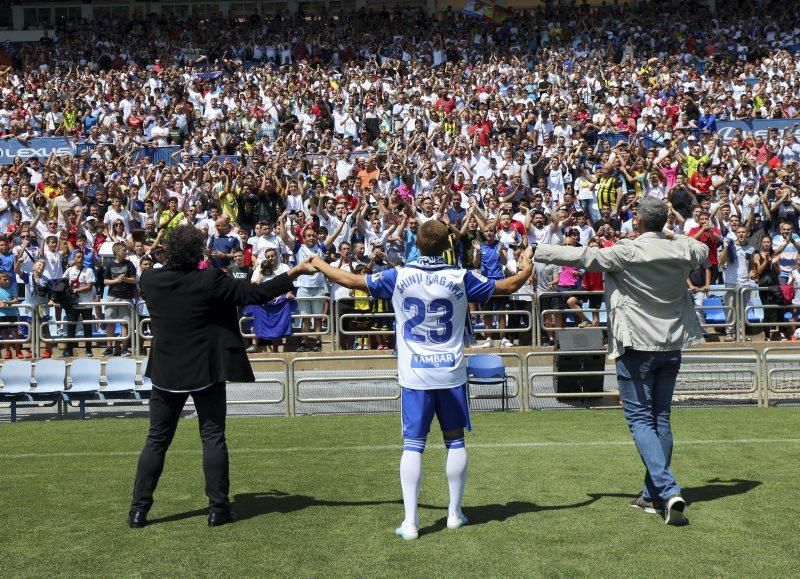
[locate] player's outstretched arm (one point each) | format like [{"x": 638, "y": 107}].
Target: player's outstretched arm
[
  {"x": 340, "y": 276},
  {"x": 511, "y": 284}
]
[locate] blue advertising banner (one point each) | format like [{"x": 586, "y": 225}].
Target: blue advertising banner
[
  {"x": 40, "y": 147},
  {"x": 760, "y": 127}
]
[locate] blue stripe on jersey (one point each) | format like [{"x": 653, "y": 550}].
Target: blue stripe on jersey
[
  {"x": 479, "y": 289},
  {"x": 381, "y": 285}
]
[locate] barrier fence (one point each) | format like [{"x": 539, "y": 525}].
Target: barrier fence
[
  {"x": 735, "y": 375},
  {"x": 358, "y": 385},
  {"x": 733, "y": 312},
  {"x": 129, "y": 323}
]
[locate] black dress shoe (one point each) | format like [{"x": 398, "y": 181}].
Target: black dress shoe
[
  {"x": 137, "y": 519},
  {"x": 219, "y": 518}
]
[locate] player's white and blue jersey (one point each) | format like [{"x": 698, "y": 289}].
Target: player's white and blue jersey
[{"x": 431, "y": 304}]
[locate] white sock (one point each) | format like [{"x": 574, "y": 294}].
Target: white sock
[
  {"x": 411, "y": 476},
  {"x": 456, "y": 469}
]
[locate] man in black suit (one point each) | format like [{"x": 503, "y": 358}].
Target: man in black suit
[{"x": 196, "y": 348}]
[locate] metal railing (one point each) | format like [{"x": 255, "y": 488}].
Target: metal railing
[
  {"x": 129, "y": 323},
  {"x": 534, "y": 394},
  {"x": 746, "y": 295},
  {"x": 298, "y": 386},
  {"x": 543, "y": 325},
  {"x": 282, "y": 379},
  {"x": 781, "y": 369},
  {"x": 27, "y": 324},
  {"x": 733, "y": 373},
  {"x": 729, "y": 310},
  {"x": 736, "y": 312},
  {"x": 529, "y": 328},
  {"x": 388, "y": 374}
]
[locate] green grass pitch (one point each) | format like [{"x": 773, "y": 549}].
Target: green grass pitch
[{"x": 547, "y": 495}]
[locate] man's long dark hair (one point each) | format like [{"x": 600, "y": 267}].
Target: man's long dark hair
[{"x": 184, "y": 248}]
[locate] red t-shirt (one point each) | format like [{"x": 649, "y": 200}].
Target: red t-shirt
[
  {"x": 518, "y": 227},
  {"x": 709, "y": 240},
  {"x": 702, "y": 184},
  {"x": 593, "y": 281}
]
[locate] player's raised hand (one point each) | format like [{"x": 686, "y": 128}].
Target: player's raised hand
[{"x": 527, "y": 257}]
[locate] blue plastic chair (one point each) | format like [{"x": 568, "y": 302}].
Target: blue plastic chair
[
  {"x": 16, "y": 378},
  {"x": 50, "y": 377},
  {"x": 120, "y": 378},
  {"x": 84, "y": 375},
  {"x": 713, "y": 310},
  {"x": 488, "y": 370},
  {"x": 147, "y": 385}
]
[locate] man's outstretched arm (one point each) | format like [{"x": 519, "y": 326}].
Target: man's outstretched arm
[{"x": 340, "y": 276}]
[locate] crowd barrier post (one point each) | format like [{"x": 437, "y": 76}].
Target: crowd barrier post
[{"x": 143, "y": 336}]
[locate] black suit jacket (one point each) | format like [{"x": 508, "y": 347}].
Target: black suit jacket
[{"x": 196, "y": 339}]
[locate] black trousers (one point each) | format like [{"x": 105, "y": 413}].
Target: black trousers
[
  {"x": 165, "y": 410},
  {"x": 83, "y": 314}
]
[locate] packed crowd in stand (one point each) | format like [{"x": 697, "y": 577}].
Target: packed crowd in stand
[{"x": 340, "y": 136}]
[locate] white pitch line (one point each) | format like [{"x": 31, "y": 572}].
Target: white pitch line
[{"x": 369, "y": 448}]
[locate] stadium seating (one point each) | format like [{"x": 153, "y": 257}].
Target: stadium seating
[
  {"x": 84, "y": 382},
  {"x": 713, "y": 310},
  {"x": 488, "y": 370},
  {"x": 84, "y": 377},
  {"x": 120, "y": 378},
  {"x": 16, "y": 378},
  {"x": 50, "y": 378}
]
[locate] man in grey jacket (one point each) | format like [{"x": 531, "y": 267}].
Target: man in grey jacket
[{"x": 651, "y": 319}]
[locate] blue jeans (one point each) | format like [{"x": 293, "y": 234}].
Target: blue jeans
[{"x": 646, "y": 381}]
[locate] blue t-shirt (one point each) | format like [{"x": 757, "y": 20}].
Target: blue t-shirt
[
  {"x": 6, "y": 295},
  {"x": 7, "y": 265},
  {"x": 224, "y": 244},
  {"x": 412, "y": 251},
  {"x": 491, "y": 266}
]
